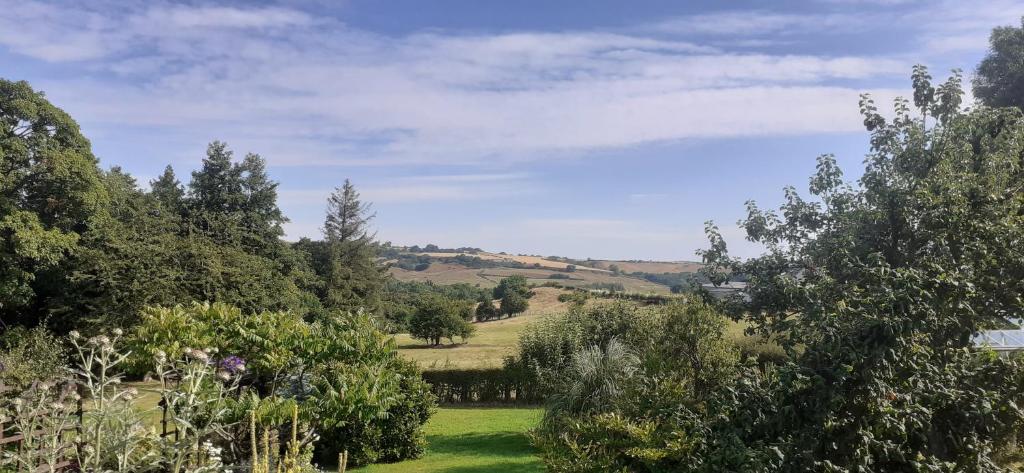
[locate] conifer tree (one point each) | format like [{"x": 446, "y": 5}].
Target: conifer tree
[
  {"x": 354, "y": 276},
  {"x": 167, "y": 190},
  {"x": 260, "y": 215},
  {"x": 216, "y": 187}
]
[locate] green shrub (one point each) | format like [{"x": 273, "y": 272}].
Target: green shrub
[
  {"x": 351, "y": 385},
  {"x": 629, "y": 388},
  {"x": 28, "y": 355}
]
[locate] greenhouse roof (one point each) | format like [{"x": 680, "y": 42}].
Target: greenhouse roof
[{"x": 1001, "y": 340}]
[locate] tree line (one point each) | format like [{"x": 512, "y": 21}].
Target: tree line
[{"x": 88, "y": 248}]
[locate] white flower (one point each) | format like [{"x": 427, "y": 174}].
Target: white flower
[
  {"x": 118, "y": 332},
  {"x": 75, "y": 335}
]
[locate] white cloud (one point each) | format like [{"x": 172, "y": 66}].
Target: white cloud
[
  {"x": 756, "y": 22},
  {"x": 180, "y": 16},
  {"x": 305, "y": 90},
  {"x": 964, "y": 26},
  {"x": 351, "y": 97},
  {"x": 418, "y": 189}
]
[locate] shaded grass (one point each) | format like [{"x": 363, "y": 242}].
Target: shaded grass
[
  {"x": 148, "y": 402},
  {"x": 471, "y": 440}
]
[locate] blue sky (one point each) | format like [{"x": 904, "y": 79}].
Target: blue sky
[{"x": 578, "y": 128}]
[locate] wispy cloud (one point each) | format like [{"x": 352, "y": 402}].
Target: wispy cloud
[
  {"x": 419, "y": 189},
  {"x": 310, "y": 90},
  {"x": 758, "y": 22},
  {"x": 354, "y": 97}
]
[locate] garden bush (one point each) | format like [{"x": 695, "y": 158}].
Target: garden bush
[
  {"x": 350, "y": 385},
  {"x": 31, "y": 354}
]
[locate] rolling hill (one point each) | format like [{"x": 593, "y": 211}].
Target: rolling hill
[{"x": 486, "y": 269}]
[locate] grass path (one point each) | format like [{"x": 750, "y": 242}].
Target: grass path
[{"x": 474, "y": 440}]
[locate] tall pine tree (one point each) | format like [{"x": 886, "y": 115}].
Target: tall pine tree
[
  {"x": 261, "y": 218},
  {"x": 354, "y": 277}
]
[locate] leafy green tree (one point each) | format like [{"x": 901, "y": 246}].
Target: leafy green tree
[
  {"x": 516, "y": 283},
  {"x": 514, "y": 303},
  {"x": 485, "y": 310},
  {"x": 126, "y": 260},
  {"x": 353, "y": 275},
  {"x": 439, "y": 317},
  {"x": 876, "y": 290},
  {"x": 49, "y": 192},
  {"x": 999, "y": 81}
]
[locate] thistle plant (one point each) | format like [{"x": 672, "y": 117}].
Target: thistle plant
[
  {"x": 44, "y": 415},
  {"x": 197, "y": 395},
  {"x": 113, "y": 435}
]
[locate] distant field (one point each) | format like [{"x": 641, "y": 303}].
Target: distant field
[
  {"x": 444, "y": 273},
  {"x": 492, "y": 342},
  {"x": 654, "y": 267},
  {"x": 474, "y": 440},
  {"x": 529, "y": 260}
]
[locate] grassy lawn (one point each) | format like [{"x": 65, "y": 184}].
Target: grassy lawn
[{"x": 469, "y": 440}]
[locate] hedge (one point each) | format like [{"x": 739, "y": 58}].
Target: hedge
[{"x": 493, "y": 385}]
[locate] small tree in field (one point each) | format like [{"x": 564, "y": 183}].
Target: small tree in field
[
  {"x": 513, "y": 304},
  {"x": 516, "y": 284},
  {"x": 438, "y": 318},
  {"x": 486, "y": 310}
]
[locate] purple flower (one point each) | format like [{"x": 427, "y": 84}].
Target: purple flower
[{"x": 233, "y": 364}]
